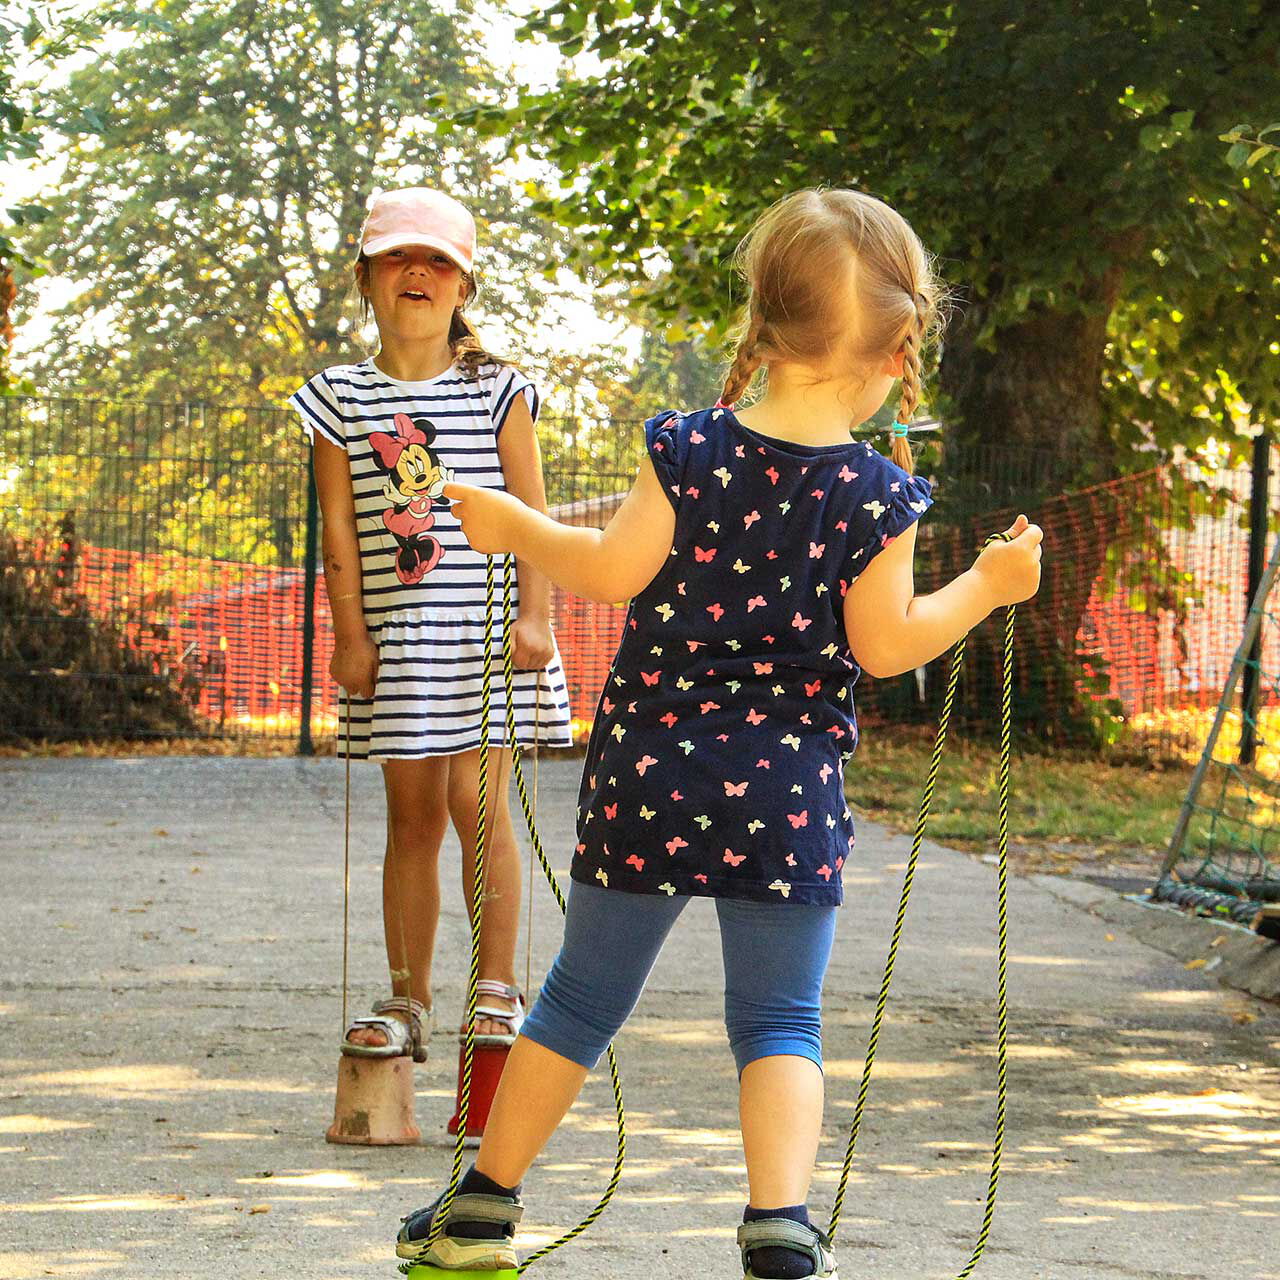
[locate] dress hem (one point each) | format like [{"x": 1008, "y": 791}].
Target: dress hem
[
  {"x": 754, "y": 891},
  {"x": 413, "y": 754}
]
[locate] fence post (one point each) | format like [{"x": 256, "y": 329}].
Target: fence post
[
  {"x": 1259, "y": 513},
  {"x": 305, "y": 746}
]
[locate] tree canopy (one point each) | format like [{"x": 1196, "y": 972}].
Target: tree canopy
[
  {"x": 39, "y": 36},
  {"x": 1063, "y": 159},
  {"x": 213, "y": 220},
  {"x": 1113, "y": 257}
]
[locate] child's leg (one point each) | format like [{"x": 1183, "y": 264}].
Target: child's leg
[
  {"x": 775, "y": 958},
  {"x": 780, "y": 1110},
  {"x": 500, "y": 913},
  {"x": 583, "y": 1003},
  {"x": 536, "y": 1090},
  {"x": 417, "y": 814}
]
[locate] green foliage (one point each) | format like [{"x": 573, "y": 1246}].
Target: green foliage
[
  {"x": 66, "y": 673},
  {"x": 213, "y": 220},
  {"x": 1062, "y": 160},
  {"x": 1248, "y": 148},
  {"x": 42, "y": 35},
  {"x": 665, "y": 375}
]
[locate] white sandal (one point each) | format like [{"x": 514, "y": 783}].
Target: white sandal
[
  {"x": 514, "y": 1018},
  {"x": 402, "y": 1037}
]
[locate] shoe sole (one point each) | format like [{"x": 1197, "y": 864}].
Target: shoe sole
[
  {"x": 371, "y": 1051},
  {"x": 826, "y": 1275},
  {"x": 423, "y": 1272},
  {"x": 460, "y": 1255}
]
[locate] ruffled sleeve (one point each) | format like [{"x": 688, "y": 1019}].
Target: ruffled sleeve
[
  {"x": 507, "y": 384},
  {"x": 891, "y": 503},
  {"x": 662, "y": 439},
  {"x": 318, "y": 406}
]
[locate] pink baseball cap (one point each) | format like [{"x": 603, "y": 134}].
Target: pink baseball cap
[{"x": 419, "y": 215}]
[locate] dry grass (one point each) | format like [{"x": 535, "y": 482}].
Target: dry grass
[{"x": 1065, "y": 814}]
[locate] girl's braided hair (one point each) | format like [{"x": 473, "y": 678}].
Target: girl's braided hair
[
  {"x": 469, "y": 351},
  {"x": 795, "y": 262}
]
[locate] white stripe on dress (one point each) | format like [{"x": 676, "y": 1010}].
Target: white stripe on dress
[{"x": 430, "y": 634}]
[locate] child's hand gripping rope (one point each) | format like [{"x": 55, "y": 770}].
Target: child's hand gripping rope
[
  {"x": 1012, "y": 569},
  {"x": 354, "y": 665}
]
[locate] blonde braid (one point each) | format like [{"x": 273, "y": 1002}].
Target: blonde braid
[
  {"x": 747, "y": 359},
  {"x": 910, "y": 387}
]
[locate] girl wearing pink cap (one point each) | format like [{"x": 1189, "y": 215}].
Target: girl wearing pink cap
[{"x": 407, "y": 594}]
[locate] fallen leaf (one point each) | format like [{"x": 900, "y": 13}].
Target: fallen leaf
[{"x": 261, "y": 1208}]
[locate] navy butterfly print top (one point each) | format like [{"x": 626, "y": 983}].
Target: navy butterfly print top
[{"x": 716, "y": 760}]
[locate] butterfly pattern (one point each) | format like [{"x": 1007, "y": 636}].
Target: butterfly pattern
[{"x": 716, "y": 759}]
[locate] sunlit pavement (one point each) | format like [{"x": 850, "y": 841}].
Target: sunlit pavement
[{"x": 170, "y": 1009}]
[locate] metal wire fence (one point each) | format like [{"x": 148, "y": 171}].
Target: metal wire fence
[{"x": 158, "y": 580}]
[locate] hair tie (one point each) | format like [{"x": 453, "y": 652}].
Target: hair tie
[{"x": 899, "y": 428}]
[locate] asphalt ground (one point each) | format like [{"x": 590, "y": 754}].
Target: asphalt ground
[{"x": 170, "y": 1009}]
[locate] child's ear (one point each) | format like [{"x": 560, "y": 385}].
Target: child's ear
[{"x": 894, "y": 364}]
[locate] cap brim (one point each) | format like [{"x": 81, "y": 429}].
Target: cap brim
[{"x": 382, "y": 244}]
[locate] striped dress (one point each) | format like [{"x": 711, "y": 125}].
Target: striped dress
[{"x": 423, "y": 585}]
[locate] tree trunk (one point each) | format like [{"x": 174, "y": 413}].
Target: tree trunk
[
  {"x": 1040, "y": 389},
  {"x": 8, "y": 293},
  {"x": 1025, "y": 425}
]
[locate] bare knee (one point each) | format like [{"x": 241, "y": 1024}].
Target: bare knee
[
  {"x": 466, "y": 821},
  {"x": 415, "y": 846},
  {"x": 464, "y": 806},
  {"x": 417, "y": 812},
  {"x": 464, "y": 791},
  {"x": 417, "y": 834}
]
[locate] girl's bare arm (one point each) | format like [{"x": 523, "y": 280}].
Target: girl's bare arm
[
  {"x": 522, "y": 470},
  {"x": 890, "y": 629},
  {"x": 340, "y": 547},
  {"x": 609, "y": 565}
]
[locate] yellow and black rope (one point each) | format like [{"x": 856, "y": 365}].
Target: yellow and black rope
[
  {"x": 442, "y": 1213},
  {"x": 1002, "y": 912}
]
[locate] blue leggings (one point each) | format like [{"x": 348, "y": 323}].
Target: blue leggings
[{"x": 775, "y": 958}]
